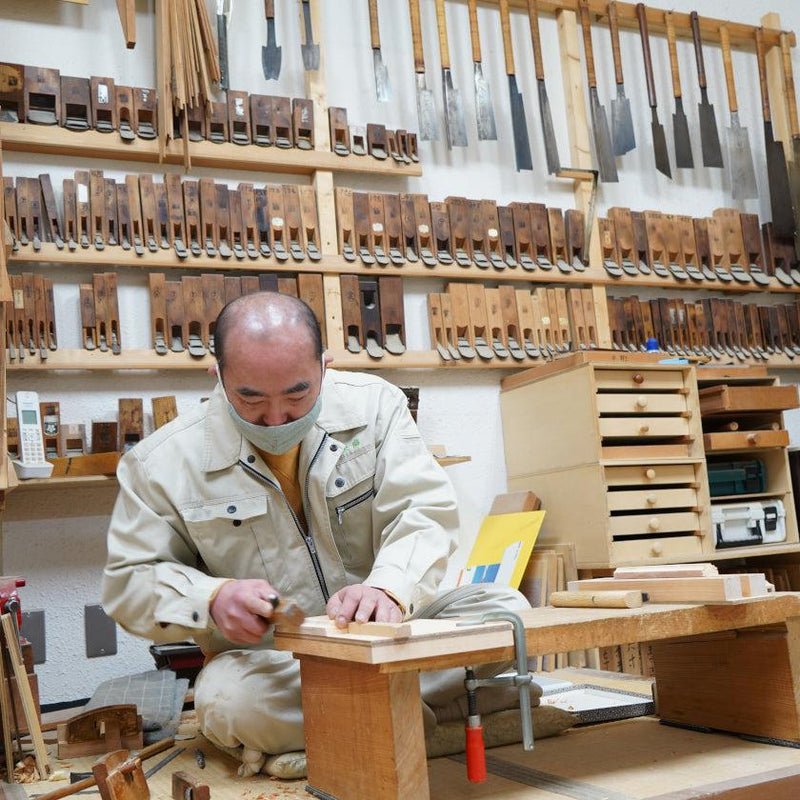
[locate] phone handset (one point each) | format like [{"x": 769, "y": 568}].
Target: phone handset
[{"x": 31, "y": 463}]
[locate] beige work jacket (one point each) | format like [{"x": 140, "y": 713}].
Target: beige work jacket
[{"x": 197, "y": 506}]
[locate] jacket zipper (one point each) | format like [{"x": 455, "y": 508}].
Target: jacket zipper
[
  {"x": 308, "y": 539},
  {"x": 354, "y": 502}
]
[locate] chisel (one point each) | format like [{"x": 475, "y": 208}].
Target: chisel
[
  {"x": 780, "y": 192},
  {"x": 709, "y": 137},
  {"x": 453, "y": 109},
  {"x": 270, "y": 52},
  {"x": 680, "y": 125},
  {"x": 425, "y": 108},
  {"x": 550, "y": 144},
  {"x": 522, "y": 146},
  {"x": 484, "y": 110},
  {"x": 309, "y": 50},
  {"x": 223, "y": 18},
  {"x": 602, "y": 136},
  {"x": 740, "y": 157},
  {"x": 382, "y": 88},
  {"x": 621, "y": 120},
  {"x": 659, "y": 137}
]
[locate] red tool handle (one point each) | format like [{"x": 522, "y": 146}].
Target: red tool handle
[{"x": 476, "y": 757}]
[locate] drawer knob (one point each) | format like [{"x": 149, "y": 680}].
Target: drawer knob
[
  {"x": 654, "y": 524},
  {"x": 656, "y": 550},
  {"x": 650, "y": 474},
  {"x": 644, "y": 428},
  {"x": 641, "y": 401},
  {"x": 638, "y": 378},
  {"x": 752, "y": 438},
  {"x": 651, "y": 499}
]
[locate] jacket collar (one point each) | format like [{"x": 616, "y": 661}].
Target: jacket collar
[{"x": 224, "y": 445}]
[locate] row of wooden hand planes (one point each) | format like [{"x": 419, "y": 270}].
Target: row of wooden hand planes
[
  {"x": 726, "y": 247},
  {"x": 192, "y": 217},
  {"x": 712, "y": 328},
  {"x": 42, "y": 96}
]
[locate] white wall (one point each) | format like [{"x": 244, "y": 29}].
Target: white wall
[{"x": 56, "y": 538}]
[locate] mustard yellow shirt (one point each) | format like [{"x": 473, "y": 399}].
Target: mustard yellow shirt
[{"x": 285, "y": 467}]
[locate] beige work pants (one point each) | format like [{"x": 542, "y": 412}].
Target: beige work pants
[{"x": 252, "y": 697}]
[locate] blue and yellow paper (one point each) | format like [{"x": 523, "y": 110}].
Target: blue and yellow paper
[{"x": 502, "y": 549}]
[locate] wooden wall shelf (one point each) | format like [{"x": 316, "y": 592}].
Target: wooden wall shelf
[
  {"x": 67, "y": 482},
  {"x": 25, "y": 138},
  {"x": 112, "y": 257},
  {"x": 148, "y": 360}
]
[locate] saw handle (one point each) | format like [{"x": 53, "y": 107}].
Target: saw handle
[
  {"x": 641, "y": 13},
  {"x": 673, "y": 56},
  {"x": 727, "y": 63},
  {"x": 788, "y": 75},
  {"x": 269, "y": 9},
  {"x": 762, "y": 76},
  {"x": 441, "y": 25},
  {"x": 416, "y": 36},
  {"x": 698, "y": 49},
  {"x": 508, "y": 47},
  {"x": 538, "y": 63},
  {"x": 374, "y": 30},
  {"x": 474, "y": 31},
  {"x": 613, "y": 27},
  {"x": 586, "y": 26}
]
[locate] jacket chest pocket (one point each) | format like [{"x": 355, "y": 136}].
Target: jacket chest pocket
[
  {"x": 222, "y": 531},
  {"x": 350, "y": 495}
]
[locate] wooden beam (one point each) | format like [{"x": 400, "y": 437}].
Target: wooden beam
[{"x": 127, "y": 17}]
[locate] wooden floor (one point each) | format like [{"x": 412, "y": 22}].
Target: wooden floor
[{"x": 626, "y": 760}]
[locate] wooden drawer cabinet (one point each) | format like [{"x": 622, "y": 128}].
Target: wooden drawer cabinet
[{"x": 615, "y": 451}]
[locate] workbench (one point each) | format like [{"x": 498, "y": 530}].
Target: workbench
[{"x": 733, "y": 667}]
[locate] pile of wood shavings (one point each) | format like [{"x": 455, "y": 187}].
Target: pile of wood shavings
[{"x": 25, "y": 771}]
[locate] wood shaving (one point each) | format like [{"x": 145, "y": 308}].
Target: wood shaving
[
  {"x": 59, "y": 775},
  {"x": 25, "y": 771}
]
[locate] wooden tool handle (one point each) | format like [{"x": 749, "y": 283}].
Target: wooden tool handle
[
  {"x": 698, "y": 49},
  {"x": 762, "y": 75},
  {"x": 416, "y": 35},
  {"x": 730, "y": 83},
  {"x": 538, "y": 63},
  {"x": 641, "y": 14},
  {"x": 673, "y": 56},
  {"x": 269, "y": 9},
  {"x": 788, "y": 75},
  {"x": 586, "y": 26},
  {"x": 613, "y": 27},
  {"x": 474, "y": 31},
  {"x": 604, "y": 599},
  {"x": 374, "y": 31},
  {"x": 505, "y": 26},
  {"x": 441, "y": 24}
]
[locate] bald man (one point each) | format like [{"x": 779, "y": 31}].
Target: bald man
[{"x": 292, "y": 480}]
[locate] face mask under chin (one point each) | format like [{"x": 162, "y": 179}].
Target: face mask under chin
[{"x": 274, "y": 439}]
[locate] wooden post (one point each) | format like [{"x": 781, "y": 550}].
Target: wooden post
[
  {"x": 374, "y": 747},
  {"x": 776, "y": 84},
  {"x": 581, "y": 154}
]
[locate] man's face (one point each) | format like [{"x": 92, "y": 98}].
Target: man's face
[{"x": 271, "y": 383}]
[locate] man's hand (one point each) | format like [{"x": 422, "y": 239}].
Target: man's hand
[
  {"x": 362, "y": 603},
  {"x": 242, "y": 610}
]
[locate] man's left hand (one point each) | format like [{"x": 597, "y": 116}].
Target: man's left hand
[{"x": 361, "y": 603}]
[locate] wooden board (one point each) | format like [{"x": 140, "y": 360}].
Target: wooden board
[{"x": 670, "y": 590}]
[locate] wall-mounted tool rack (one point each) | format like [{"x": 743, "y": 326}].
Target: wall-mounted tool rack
[{"x": 321, "y": 165}]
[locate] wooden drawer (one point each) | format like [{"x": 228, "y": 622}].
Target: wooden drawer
[
  {"x": 650, "y": 475},
  {"x": 744, "y": 440},
  {"x": 640, "y": 524},
  {"x": 643, "y": 427},
  {"x": 736, "y": 399},
  {"x": 651, "y": 499},
  {"x": 667, "y": 549},
  {"x": 641, "y": 403},
  {"x": 640, "y": 380}
]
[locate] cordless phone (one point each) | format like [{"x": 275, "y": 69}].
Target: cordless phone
[{"x": 31, "y": 463}]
